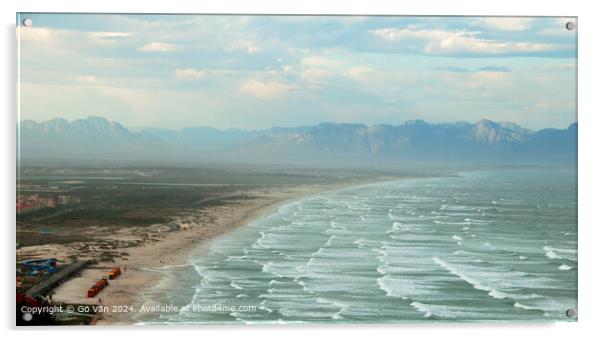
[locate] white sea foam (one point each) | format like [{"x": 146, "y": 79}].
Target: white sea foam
[
  {"x": 564, "y": 267},
  {"x": 382, "y": 269},
  {"x": 459, "y": 223},
  {"x": 258, "y": 244},
  {"x": 342, "y": 307},
  {"x": 235, "y": 285},
  {"x": 390, "y": 287},
  {"x": 470, "y": 279},
  {"x": 269, "y": 268},
  {"x": 551, "y": 253},
  {"x": 525, "y": 307},
  {"x": 329, "y": 242},
  {"x": 375, "y": 262},
  {"x": 360, "y": 243},
  {"x": 168, "y": 267},
  {"x": 422, "y": 308},
  {"x": 480, "y": 222},
  {"x": 560, "y": 253}
]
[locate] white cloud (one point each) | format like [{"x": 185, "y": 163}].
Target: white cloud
[
  {"x": 507, "y": 24},
  {"x": 86, "y": 79},
  {"x": 377, "y": 77},
  {"x": 249, "y": 47},
  {"x": 219, "y": 74},
  {"x": 104, "y": 38},
  {"x": 350, "y": 72},
  {"x": 189, "y": 74},
  {"x": 560, "y": 67},
  {"x": 265, "y": 90},
  {"x": 43, "y": 35},
  {"x": 447, "y": 42},
  {"x": 360, "y": 73},
  {"x": 56, "y": 37},
  {"x": 318, "y": 71},
  {"x": 490, "y": 75},
  {"x": 51, "y": 41},
  {"x": 316, "y": 77},
  {"x": 479, "y": 85},
  {"x": 158, "y": 47},
  {"x": 317, "y": 61}
]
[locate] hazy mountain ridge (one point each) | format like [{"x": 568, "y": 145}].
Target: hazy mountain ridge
[
  {"x": 93, "y": 137},
  {"x": 484, "y": 142}
]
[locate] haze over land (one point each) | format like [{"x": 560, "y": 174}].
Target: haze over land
[{"x": 415, "y": 142}]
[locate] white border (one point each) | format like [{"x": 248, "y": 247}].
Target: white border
[
  {"x": 431, "y": 7},
  {"x": 589, "y": 157}
]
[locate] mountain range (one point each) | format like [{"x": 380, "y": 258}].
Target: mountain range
[{"x": 414, "y": 142}]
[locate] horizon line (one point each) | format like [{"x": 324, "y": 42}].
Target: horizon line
[{"x": 294, "y": 126}]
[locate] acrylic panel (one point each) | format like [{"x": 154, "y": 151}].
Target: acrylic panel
[{"x": 268, "y": 169}]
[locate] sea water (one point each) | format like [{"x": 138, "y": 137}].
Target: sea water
[{"x": 481, "y": 246}]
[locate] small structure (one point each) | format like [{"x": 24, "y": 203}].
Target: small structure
[
  {"x": 174, "y": 227},
  {"x": 56, "y": 278},
  {"x": 64, "y": 200},
  {"x": 98, "y": 287},
  {"x": 35, "y": 267},
  {"x": 114, "y": 273}
]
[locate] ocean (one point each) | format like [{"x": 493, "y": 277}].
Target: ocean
[{"x": 478, "y": 247}]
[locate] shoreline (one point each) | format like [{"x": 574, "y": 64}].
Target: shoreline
[
  {"x": 144, "y": 265},
  {"x": 129, "y": 289}
]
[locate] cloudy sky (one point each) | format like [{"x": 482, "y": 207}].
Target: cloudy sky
[{"x": 253, "y": 72}]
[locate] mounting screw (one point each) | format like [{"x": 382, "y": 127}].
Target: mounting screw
[
  {"x": 27, "y": 22},
  {"x": 570, "y": 25},
  {"x": 570, "y": 313}
]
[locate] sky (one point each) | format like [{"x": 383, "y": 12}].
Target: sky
[{"x": 255, "y": 72}]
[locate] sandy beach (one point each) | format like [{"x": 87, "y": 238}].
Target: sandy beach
[
  {"x": 166, "y": 248},
  {"x": 173, "y": 249}
]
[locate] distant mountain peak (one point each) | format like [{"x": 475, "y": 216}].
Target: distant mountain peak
[
  {"x": 415, "y": 140},
  {"x": 96, "y": 118},
  {"x": 417, "y": 122},
  {"x": 56, "y": 122}
]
